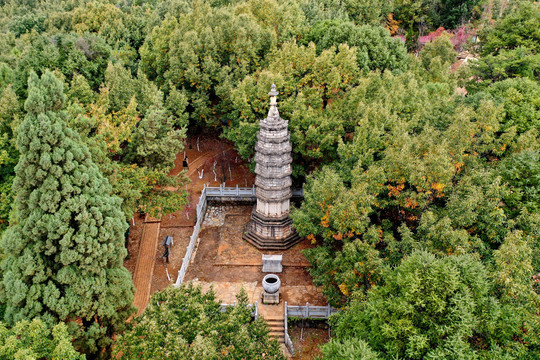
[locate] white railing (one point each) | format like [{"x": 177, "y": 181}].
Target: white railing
[
  {"x": 288, "y": 341},
  {"x": 223, "y": 191},
  {"x": 254, "y": 311},
  {"x": 201, "y": 210},
  {"x": 311, "y": 312},
  {"x": 214, "y": 192},
  {"x": 304, "y": 312}
]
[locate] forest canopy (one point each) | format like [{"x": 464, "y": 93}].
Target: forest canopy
[{"x": 415, "y": 130}]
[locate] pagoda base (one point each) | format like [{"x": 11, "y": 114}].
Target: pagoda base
[{"x": 270, "y": 233}]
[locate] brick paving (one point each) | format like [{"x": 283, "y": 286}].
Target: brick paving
[{"x": 145, "y": 264}]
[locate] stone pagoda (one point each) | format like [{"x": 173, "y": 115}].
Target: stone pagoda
[{"x": 270, "y": 227}]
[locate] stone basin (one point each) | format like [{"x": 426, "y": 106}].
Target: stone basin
[{"x": 271, "y": 283}]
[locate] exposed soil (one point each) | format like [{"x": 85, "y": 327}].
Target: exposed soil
[
  {"x": 228, "y": 167},
  {"x": 176, "y": 254},
  {"x": 136, "y": 225},
  {"x": 307, "y": 341},
  {"x": 223, "y": 258}
]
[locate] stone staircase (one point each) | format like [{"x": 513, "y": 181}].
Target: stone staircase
[{"x": 277, "y": 327}]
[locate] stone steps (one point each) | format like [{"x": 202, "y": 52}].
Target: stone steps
[
  {"x": 277, "y": 328},
  {"x": 272, "y": 244}
]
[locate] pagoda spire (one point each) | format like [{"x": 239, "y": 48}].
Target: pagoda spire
[
  {"x": 273, "y": 111},
  {"x": 270, "y": 227}
]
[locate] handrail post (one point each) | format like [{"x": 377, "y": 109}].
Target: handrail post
[
  {"x": 286, "y": 315},
  {"x": 237, "y": 190},
  {"x": 307, "y": 309}
]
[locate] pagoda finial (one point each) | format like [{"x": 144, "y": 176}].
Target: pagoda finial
[{"x": 273, "y": 93}]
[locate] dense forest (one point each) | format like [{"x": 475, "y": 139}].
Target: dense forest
[{"x": 415, "y": 134}]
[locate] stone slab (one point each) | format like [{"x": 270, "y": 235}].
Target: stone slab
[
  {"x": 270, "y": 298},
  {"x": 272, "y": 263}
]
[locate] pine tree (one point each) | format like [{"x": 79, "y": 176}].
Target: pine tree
[{"x": 64, "y": 251}]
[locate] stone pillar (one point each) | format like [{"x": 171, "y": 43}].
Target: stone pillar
[{"x": 270, "y": 227}]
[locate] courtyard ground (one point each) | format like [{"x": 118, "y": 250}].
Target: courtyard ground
[
  {"x": 227, "y": 262},
  {"x": 144, "y": 245},
  {"x": 222, "y": 259}
]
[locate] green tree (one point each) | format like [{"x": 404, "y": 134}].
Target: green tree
[
  {"x": 510, "y": 47},
  {"x": 121, "y": 86},
  {"x": 154, "y": 141},
  {"x": 32, "y": 340},
  {"x": 205, "y": 53},
  {"x": 376, "y": 48},
  {"x": 284, "y": 18},
  {"x": 422, "y": 16},
  {"x": 453, "y": 13},
  {"x": 522, "y": 172},
  {"x": 348, "y": 349},
  {"x": 309, "y": 86},
  {"x": 185, "y": 323},
  {"x": 517, "y": 29},
  {"x": 80, "y": 90},
  {"x": 9, "y": 121},
  {"x": 440, "y": 47},
  {"x": 65, "y": 249},
  {"x": 434, "y": 308},
  {"x": 417, "y": 169},
  {"x": 319, "y": 10},
  {"x": 520, "y": 100}
]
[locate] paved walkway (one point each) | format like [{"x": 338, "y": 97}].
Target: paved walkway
[{"x": 145, "y": 264}]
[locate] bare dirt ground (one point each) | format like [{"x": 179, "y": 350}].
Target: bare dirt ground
[
  {"x": 210, "y": 162},
  {"x": 135, "y": 233},
  {"x": 306, "y": 340},
  {"x": 224, "y": 260},
  {"x": 177, "y": 251}
]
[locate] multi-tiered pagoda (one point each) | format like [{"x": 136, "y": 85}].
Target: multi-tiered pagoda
[{"x": 270, "y": 227}]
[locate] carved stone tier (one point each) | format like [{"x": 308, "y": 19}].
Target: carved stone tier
[
  {"x": 270, "y": 233},
  {"x": 270, "y": 226}
]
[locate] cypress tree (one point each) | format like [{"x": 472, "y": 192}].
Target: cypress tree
[{"x": 65, "y": 249}]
